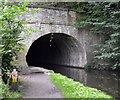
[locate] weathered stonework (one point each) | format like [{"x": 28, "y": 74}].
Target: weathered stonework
[{"x": 58, "y": 21}]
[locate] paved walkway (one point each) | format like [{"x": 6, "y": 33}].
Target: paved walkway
[{"x": 38, "y": 85}]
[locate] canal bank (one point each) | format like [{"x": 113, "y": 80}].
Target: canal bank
[
  {"x": 38, "y": 85},
  {"x": 107, "y": 81},
  {"x": 73, "y": 89}
]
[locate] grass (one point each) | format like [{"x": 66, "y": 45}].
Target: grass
[
  {"x": 72, "y": 89},
  {"x": 6, "y": 94}
]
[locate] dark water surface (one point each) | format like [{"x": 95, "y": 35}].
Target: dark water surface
[{"x": 106, "y": 81}]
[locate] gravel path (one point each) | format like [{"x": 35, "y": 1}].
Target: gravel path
[{"x": 38, "y": 85}]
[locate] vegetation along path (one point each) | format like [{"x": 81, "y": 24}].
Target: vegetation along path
[{"x": 38, "y": 85}]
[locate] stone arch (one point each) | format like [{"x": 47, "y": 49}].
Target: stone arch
[{"x": 65, "y": 50}]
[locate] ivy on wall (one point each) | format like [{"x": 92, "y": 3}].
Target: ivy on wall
[{"x": 102, "y": 18}]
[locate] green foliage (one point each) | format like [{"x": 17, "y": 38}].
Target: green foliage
[
  {"x": 10, "y": 28},
  {"x": 6, "y": 94},
  {"x": 72, "y": 89},
  {"x": 102, "y": 18},
  {"x": 12, "y": 25}
]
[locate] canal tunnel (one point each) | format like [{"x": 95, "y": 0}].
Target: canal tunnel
[{"x": 55, "y": 49}]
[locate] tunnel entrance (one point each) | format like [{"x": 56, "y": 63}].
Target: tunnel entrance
[{"x": 55, "y": 49}]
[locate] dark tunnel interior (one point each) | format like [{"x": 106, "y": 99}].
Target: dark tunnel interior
[{"x": 54, "y": 49}]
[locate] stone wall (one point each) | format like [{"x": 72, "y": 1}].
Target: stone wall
[{"x": 57, "y": 21}]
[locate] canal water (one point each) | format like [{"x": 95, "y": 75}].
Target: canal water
[{"x": 106, "y": 81}]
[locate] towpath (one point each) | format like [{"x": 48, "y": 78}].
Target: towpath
[{"x": 37, "y": 84}]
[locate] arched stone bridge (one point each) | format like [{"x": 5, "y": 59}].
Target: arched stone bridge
[{"x": 56, "y": 40}]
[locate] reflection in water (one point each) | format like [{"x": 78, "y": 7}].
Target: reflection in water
[{"x": 103, "y": 80}]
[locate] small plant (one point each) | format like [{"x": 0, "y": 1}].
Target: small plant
[
  {"x": 50, "y": 22},
  {"x": 6, "y": 94}
]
